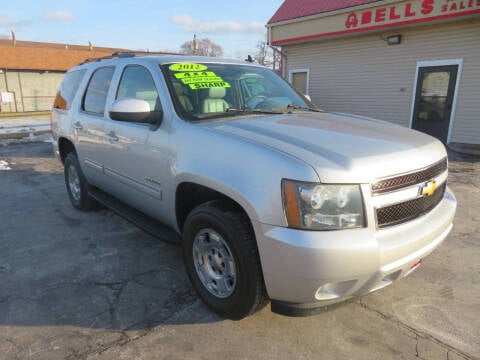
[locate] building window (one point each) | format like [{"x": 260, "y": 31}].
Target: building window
[{"x": 300, "y": 80}]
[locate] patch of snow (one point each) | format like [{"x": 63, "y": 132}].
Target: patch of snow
[
  {"x": 4, "y": 165},
  {"x": 12, "y": 130}
]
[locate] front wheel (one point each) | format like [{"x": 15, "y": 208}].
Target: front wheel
[{"x": 222, "y": 260}]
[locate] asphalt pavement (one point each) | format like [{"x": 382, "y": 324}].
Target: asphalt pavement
[{"x": 77, "y": 285}]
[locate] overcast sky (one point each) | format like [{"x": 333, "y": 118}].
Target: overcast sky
[{"x": 155, "y": 25}]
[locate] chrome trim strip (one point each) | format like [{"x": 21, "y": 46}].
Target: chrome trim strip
[
  {"x": 153, "y": 181},
  {"x": 93, "y": 164},
  {"x": 155, "y": 192}
]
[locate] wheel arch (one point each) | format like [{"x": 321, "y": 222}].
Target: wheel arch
[
  {"x": 189, "y": 195},
  {"x": 65, "y": 146}
]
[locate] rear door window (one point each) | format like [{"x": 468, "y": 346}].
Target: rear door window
[
  {"x": 97, "y": 91},
  {"x": 67, "y": 90}
]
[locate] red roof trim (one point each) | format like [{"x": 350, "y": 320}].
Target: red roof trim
[
  {"x": 293, "y": 9},
  {"x": 374, "y": 27}
]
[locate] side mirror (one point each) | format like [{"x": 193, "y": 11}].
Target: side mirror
[
  {"x": 135, "y": 110},
  {"x": 308, "y": 97}
]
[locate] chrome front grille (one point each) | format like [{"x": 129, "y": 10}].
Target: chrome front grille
[
  {"x": 415, "y": 206},
  {"x": 402, "y": 181},
  {"x": 408, "y": 210}
]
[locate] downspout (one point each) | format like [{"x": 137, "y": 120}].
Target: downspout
[
  {"x": 280, "y": 51},
  {"x": 283, "y": 58}
]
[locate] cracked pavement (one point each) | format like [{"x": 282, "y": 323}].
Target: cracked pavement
[{"x": 79, "y": 285}]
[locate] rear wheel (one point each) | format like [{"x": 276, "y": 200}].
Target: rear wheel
[
  {"x": 77, "y": 185},
  {"x": 222, "y": 260}
]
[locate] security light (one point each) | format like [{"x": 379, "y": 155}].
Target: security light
[{"x": 394, "y": 39}]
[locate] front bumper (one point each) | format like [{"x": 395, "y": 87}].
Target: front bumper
[{"x": 312, "y": 269}]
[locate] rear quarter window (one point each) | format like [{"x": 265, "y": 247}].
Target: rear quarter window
[
  {"x": 97, "y": 90},
  {"x": 68, "y": 89}
]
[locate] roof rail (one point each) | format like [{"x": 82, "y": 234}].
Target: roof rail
[
  {"x": 142, "y": 53},
  {"x": 90, "y": 60},
  {"x": 127, "y": 54}
]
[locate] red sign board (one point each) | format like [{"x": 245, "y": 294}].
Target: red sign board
[
  {"x": 406, "y": 11},
  {"x": 372, "y": 18}
]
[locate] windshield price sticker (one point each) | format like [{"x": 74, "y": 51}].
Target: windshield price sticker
[
  {"x": 201, "y": 80},
  {"x": 208, "y": 79},
  {"x": 184, "y": 75},
  {"x": 187, "y": 67},
  {"x": 198, "y": 77},
  {"x": 208, "y": 85}
]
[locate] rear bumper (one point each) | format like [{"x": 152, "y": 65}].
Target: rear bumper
[
  {"x": 306, "y": 270},
  {"x": 56, "y": 150}
]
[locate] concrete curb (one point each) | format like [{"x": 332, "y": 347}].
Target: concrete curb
[
  {"x": 23, "y": 131},
  {"x": 27, "y": 114}
]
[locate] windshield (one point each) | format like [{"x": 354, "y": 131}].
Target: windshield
[{"x": 208, "y": 90}]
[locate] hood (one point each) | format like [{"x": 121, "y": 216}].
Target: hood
[{"x": 342, "y": 148}]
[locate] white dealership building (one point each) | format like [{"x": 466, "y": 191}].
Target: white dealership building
[{"x": 415, "y": 63}]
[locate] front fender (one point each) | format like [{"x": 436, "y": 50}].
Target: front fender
[{"x": 249, "y": 173}]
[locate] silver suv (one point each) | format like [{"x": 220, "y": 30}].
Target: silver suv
[{"x": 271, "y": 198}]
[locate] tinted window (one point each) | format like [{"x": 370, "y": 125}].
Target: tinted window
[
  {"x": 137, "y": 83},
  {"x": 97, "y": 90},
  {"x": 67, "y": 90}
]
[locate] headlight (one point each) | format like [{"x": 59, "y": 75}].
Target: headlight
[{"x": 315, "y": 206}]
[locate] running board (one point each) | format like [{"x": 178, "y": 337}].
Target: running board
[{"x": 141, "y": 220}]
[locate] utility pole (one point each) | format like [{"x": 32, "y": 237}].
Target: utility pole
[{"x": 195, "y": 44}]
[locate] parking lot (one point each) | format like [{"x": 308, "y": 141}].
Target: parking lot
[{"x": 79, "y": 285}]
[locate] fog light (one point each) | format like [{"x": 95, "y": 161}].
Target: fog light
[
  {"x": 387, "y": 280},
  {"x": 330, "y": 291}
]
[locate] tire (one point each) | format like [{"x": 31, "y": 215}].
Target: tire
[
  {"x": 222, "y": 260},
  {"x": 77, "y": 185}
]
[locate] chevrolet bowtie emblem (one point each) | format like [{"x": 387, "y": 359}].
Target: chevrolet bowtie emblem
[{"x": 428, "y": 188}]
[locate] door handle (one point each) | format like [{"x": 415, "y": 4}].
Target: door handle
[
  {"x": 111, "y": 137},
  {"x": 77, "y": 125}
]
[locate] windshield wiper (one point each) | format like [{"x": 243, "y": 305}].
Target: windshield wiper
[
  {"x": 298, "y": 107},
  {"x": 234, "y": 112},
  {"x": 213, "y": 115},
  {"x": 254, "y": 111}
]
